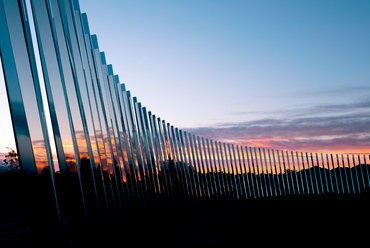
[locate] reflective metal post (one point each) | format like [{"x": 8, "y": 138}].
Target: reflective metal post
[
  {"x": 192, "y": 166},
  {"x": 324, "y": 168},
  {"x": 345, "y": 174},
  {"x": 247, "y": 172},
  {"x": 355, "y": 169},
  {"x": 207, "y": 170},
  {"x": 276, "y": 171},
  {"x": 228, "y": 185},
  {"x": 217, "y": 168},
  {"x": 335, "y": 174},
  {"x": 216, "y": 183},
  {"x": 257, "y": 176},
  {"x": 295, "y": 172},
  {"x": 340, "y": 174},
  {"x": 285, "y": 170},
  {"x": 314, "y": 173},
  {"x": 231, "y": 172},
  {"x": 321, "y": 183},
  {"x": 281, "y": 172},
  {"x": 236, "y": 172},
  {"x": 290, "y": 172},
  {"x": 243, "y": 175}
]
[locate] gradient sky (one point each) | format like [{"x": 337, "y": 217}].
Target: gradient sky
[{"x": 281, "y": 74}]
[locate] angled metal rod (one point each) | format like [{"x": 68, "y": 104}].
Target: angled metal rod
[
  {"x": 340, "y": 174},
  {"x": 222, "y": 170},
  {"x": 355, "y": 169},
  {"x": 276, "y": 171},
  {"x": 213, "y": 169},
  {"x": 228, "y": 185},
  {"x": 257, "y": 176},
  {"x": 186, "y": 164},
  {"x": 345, "y": 174},
  {"x": 216, "y": 168},
  {"x": 211, "y": 183},
  {"x": 203, "y": 169},
  {"x": 192, "y": 167},
  {"x": 286, "y": 174},
  {"x": 238, "y": 181},
  {"x": 295, "y": 173},
  {"x": 314, "y": 173},
  {"x": 318, "y": 167},
  {"x": 281, "y": 172},
  {"x": 267, "y": 171},
  {"x": 335, "y": 174},
  {"x": 230, "y": 166},
  {"x": 248, "y": 183},
  {"x": 290, "y": 172},
  {"x": 202, "y": 191},
  {"x": 243, "y": 175}
]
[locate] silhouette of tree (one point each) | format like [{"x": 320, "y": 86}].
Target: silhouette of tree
[
  {"x": 11, "y": 160},
  {"x": 287, "y": 171}
]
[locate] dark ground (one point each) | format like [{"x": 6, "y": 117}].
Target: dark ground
[{"x": 290, "y": 221}]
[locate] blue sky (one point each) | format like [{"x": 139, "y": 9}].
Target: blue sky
[
  {"x": 232, "y": 66},
  {"x": 264, "y": 73}
]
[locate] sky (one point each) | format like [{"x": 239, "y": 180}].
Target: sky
[{"x": 289, "y": 75}]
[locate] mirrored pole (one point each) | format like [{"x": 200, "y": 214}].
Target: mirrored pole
[
  {"x": 281, "y": 172},
  {"x": 324, "y": 169},
  {"x": 345, "y": 174},
  {"x": 265, "y": 183},
  {"x": 286, "y": 174},
  {"x": 247, "y": 173},
  {"x": 152, "y": 153},
  {"x": 231, "y": 172},
  {"x": 162, "y": 160},
  {"x": 202, "y": 192},
  {"x": 183, "y": 185},
  {"x": 350, "y": 173},
  {"x": 295, "y": 172},
  {"x": 314, "y": 173},
  {"x": 269, "y": 175},
  {"x": 29, "y": 123},
  {"x": 319, "y": 169},
  {"x": 272, "y": 172},
  {"x": 300, "y": 173},
  {"x": 192, "y": 166},
  {"x": 167, "y": 158},
  {"x": 340, "y": 174},
  {"x": 203, "y": 169},
  {"x": 355, "y": 169},
  {"x": 331, "y": 180},
  {"x": 217, "y": 168},
  {"x": 96, "y": 111},
  {"x": 335, "y": 174},
  {"x": 256, "y": 174},
  {"x": 185, "y": 163},
  {"x": 367, "y": 171},
  {"x": 310, "y": 175},
  {"x": 276, "y": 170},
  {"x": 208, "y": 159},
  {"x": 236, "y": 172},
  {"x": 224, "y": 171},
  {"x": 243, "y": 172},
  {"x": 362, "y": 174},
  {"x": 253, "y": 181},
  {"x": 158, "y": 158}
]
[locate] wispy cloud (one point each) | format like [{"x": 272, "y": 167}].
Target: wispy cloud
[
  {"x": 300, "y": 130},
  {"x": 143, "y": 59}
]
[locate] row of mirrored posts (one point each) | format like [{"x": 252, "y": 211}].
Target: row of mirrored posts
[{"x": 111, "y": 155}]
